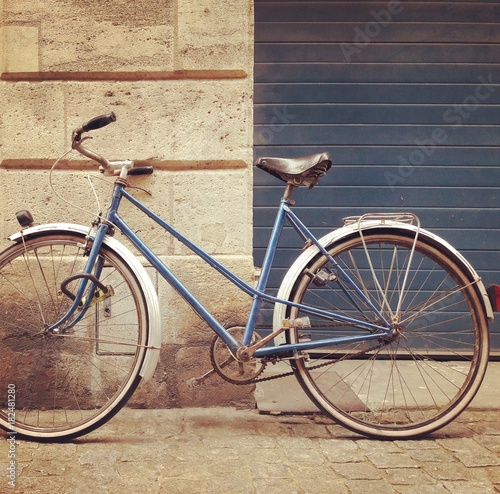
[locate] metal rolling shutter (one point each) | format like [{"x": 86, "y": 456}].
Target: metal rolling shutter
[{"x": 405, "y": 96}]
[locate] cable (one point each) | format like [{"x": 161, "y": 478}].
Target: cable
[{"x": 52, "y": 186}]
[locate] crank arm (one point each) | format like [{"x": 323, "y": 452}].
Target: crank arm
[{"x": 196, "y": 381}]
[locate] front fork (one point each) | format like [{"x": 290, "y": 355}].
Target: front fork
[{"x": 89, "y": 283}]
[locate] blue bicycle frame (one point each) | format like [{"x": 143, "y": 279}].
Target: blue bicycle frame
[{"x": 374, "y": 331}]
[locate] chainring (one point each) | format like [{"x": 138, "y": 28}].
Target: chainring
[{"x": 227, "y": 366}]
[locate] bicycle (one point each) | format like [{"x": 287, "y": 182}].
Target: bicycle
[{"x": 384, "y": 324}]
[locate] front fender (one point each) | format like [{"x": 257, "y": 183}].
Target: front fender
[
  {"x": 342, "y": 233},
  {"x": 151, "y": 298}
]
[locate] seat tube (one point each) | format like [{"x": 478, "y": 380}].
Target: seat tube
[{"x": 266, "y": 270}]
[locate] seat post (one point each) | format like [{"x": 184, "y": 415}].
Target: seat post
[{"x": 288, "y": 190}]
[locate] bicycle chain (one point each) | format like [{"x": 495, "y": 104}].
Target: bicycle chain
[{"x": 317, "y": 366}]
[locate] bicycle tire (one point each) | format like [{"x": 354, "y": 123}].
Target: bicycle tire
[
  {"x": 424, "y": 376},
  {"x": 58, "y": 386}
]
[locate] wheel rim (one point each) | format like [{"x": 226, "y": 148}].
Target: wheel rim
[{"x": 428, "y": 372}]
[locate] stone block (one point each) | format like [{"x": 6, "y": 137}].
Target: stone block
[
  {"x": 20, "y": 49},
  {"x": 217, "y": 221},
  {"x": 193, "y": 203},
  {"x": 171, "y": 386},
  {"x": 33, "y": 120},
  {"x": 104, "y": 47},
  {"x": 161, "y": 390},
  {"x": 219, "y": 224},
  {"x": 215, "y": 34}
]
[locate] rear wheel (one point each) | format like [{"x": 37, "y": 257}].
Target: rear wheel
[
  {"x": 423, "y": 375},
  {"x": 60, "y": 385}
]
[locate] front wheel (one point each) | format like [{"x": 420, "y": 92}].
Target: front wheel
[
  {"x": 427, "y": 371},
  {"x": 61, "y": 384}
]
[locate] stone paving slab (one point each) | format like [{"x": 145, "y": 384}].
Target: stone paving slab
[{"x": 226, "y": 451}]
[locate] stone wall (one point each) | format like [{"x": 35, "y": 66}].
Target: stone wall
[{"x": 178, "y": 75}]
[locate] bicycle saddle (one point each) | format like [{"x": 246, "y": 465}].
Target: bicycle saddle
[{"x": 297, "y": 171}]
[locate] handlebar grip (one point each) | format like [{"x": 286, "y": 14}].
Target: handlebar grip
[
  {"x": 141, "y": 170},
  {"x": 98, "y": 122}
]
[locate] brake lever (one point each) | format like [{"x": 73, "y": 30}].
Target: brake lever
[{"x": 79, "y": 140}]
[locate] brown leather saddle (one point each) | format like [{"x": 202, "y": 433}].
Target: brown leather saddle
[{"x": 297, "y": 171}]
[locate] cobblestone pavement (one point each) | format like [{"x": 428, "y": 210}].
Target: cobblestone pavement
[{"x": 223, "y": 450}]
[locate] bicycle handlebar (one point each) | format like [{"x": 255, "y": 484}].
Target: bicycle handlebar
[{"x": 107, "y": 167}]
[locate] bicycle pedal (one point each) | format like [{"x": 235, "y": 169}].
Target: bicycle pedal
[
  {"x": 300, "y": 322},
  {"x": 197, "y": 381}
]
